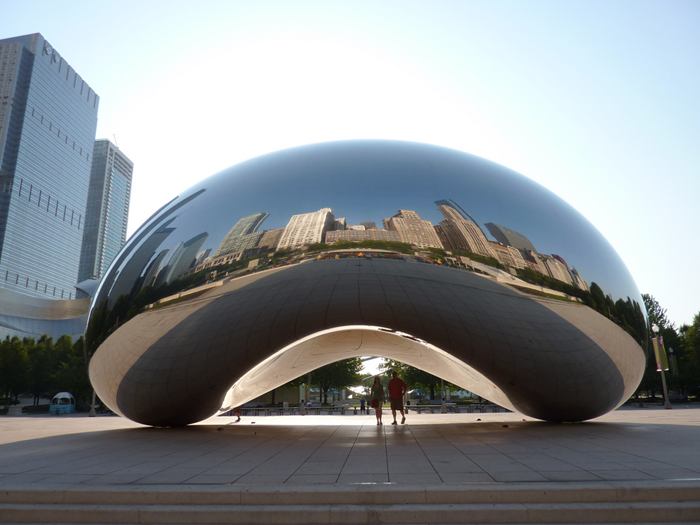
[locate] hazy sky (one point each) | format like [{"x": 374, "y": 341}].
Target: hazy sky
[{"x": 598, "y": 101}]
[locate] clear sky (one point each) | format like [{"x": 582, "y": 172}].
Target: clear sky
[{"x": 598, "y": 101}]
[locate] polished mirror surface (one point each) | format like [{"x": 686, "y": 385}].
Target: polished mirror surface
[{"x": 430, "y": 256}]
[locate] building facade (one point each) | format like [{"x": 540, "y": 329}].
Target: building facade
[
  {"x": 238, "y": 236},
  {"x": 306, "y": 228},
  {"x": 48, "y": 116},
  {"x": 353, "y": 235},
  {"x": 461, "y": 231},
  {"x": 412, "y": 229},
  {"x": 107, "y": 211}
]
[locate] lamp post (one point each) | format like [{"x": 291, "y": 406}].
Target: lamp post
[{"x": 661, "y": 361}]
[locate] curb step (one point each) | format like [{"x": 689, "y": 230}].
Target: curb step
[{"x": 579, "y": 503}]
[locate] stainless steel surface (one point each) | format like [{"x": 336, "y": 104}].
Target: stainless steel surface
[{"x": 296, "y": 259}]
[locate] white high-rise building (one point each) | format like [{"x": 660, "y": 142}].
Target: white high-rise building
[
  {"x": 462, "y": 231},
  {"x": 412, "y": 229},
  {"x": 306, "y": 228}
]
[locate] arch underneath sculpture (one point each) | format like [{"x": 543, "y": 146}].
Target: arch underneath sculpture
[{"x": 344, "y": 342}]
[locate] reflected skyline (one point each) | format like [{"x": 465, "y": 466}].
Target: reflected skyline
[{"x": 501, "y": 277}]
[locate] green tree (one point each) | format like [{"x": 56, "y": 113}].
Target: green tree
[
  {"x": 338, "y": 375},
  {"x": 71, "y": 370},
  {"x": 690, "y": 358},
  {"x": 414, "y": 376},
  {"x": 14, "y": 368},
  {"x": 42, "y": 364},
  {"x": 651, "y": 383}
]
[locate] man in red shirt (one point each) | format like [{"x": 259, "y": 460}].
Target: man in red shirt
[{"x": 397, "y": 389}]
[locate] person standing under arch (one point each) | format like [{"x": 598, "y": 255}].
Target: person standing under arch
[
  {"x": 377, "y": 399},
  {"x": 397, "y": 391}
]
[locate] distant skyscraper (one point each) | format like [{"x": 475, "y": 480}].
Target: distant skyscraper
[
  {"x": 306, "y": 228},
  {"x": 413, "y": 230},
  {"x": 107, "y": 209},
  {"x": 463, "y": 233},
  {"x": 510, "y": 237},
  {"x": 48, "y": 116},
  {"x": 238, "y": 232}
]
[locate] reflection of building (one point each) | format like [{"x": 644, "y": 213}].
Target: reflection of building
[
  {"x": 354, "y": 235},
  {"x": 107, "y": 209},
  {"x": 557, "y": 268},
  {"x": 128, "y": 278},
  {"x": 510, "y": 237},
  {"x": 534, "y": 262},
  {"x": 256, "y": 331},
  {"x": 578, "y": 280},
  {"x": 237, "y": 234},
  {"x": 183, "y": 259},
  {"x": 306, "y": 228},
  {"x": 270, "y": 239},
  {"x": 507, "y": 255},
  {"x": 48, "y": 117},
  {"x": 413, "y": 230},
  {"x": 461, "y": 232}
]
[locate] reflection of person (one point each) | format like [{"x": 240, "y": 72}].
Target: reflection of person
[
  {"x": 397, "y": 389},
  {"x": 362, "y": 405},
  {"x": 377, "y": 399},
  {"x": 237, "y": 413}
]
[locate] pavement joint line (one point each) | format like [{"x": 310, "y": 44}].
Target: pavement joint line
[
  {"x": 247, "y": 449},
  {"x": 335, "y": 431},
  {"x": 428, "y": 456},
  {"x": 276, "y": 451},
  {"x": 347, "y": 456}
]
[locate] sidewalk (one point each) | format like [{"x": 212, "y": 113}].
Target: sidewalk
[{"x": 431, "y": 449}]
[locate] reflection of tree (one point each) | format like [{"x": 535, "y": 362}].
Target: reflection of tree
[
  {"x": 490, "y": 261},
  {"x": 105, "y": 320},
  {"x": 395, "y": 246},
  {"x": 627, "y": 314}
]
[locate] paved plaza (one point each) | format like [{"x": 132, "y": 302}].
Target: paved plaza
[{"x": 633, "y": 445}]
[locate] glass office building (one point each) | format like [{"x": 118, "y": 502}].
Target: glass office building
[
  {"x": 48, "y": 116},
  {"x": 107, "y": 209}
]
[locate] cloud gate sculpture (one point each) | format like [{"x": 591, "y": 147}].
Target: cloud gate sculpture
[{"x": 426, "y": 255}]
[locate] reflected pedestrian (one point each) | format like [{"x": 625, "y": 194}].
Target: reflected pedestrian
[
  {"x": 362, "y": 406},
  {"x": 377, "y": 399},
  {"x": 397, "y": 390},
  {"x": 237, "y": 413}
]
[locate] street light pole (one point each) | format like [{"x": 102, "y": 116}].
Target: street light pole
[{"x": 661, "y": 362}]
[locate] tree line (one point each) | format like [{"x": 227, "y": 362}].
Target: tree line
[
  {"x": 42, "y": 367},
  {"x": 683, "y": 348}
]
